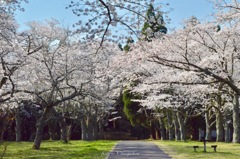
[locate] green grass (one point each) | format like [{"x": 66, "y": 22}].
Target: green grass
[
  {"x": 184, "y": 150},
  {"x": 56, "y": 149},
  {"x": 99, "y": 150}
]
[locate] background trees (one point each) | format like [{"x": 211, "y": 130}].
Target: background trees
[
  {"x": 10, "y": 52},
  {"x": 199, "y": 54}
]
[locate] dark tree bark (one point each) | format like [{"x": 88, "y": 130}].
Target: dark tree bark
[
  {"x": 219, "y": 119},
  {"x": 170, "y": 125},
  {"x": 90, "y": 129},
  {"x": 226, "y": 124},
  {"x": 219, "y": 126},
  {"x": 52, "y": 129},
  {"x": 63, "y": 125},
  {"x": 162, "y": 129},
  {"x": 40, "y": 125},
  {"x": 152, "y": 130},
  {"x": 181, "y": 126},
  {"x": 18, "y": 122},
  {"x": 176, "y": 127},
  {"x": 69, "y": 131},
  {"x": 236, "y": 120},
  {"x": 84, "y": 129},
  {"x": 208, "y": 126},
  {"x": 3, "y": 124},
  {"x": 95, "y": 128}
]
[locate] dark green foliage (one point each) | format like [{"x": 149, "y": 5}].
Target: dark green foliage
[
  {"x": 131, "y": 110},
  {"x": 154, "y": 24},
  {"x": 129, "y": 107},
  {"x": 126, "y": 48},
  {"x": 218, "y": 28},
  {"x": 130, "y": 40},
  {"x": 120, "y": 47}
]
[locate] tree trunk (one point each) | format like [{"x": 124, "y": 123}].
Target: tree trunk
[
  {"x": 182, "y": 127},
  {"x": 200, "y": 134},
  {"x": 176, "y": 128},
  {"x": 90, "y": 129},
  {"x": 3, "y": 126},
  {"x": 157, "y": 135},
  {"x": 170, "y": 123},
  {"x": 219, "y": 120},
  {"x": 162, "y": 129},
  {"x": 18, "y": 122},
  {"x": 219, "y": 126},
  {"x": 84, "y": 129},
  {"x": 100, "y": 126},
  {"x": 40, "y": 126},
  {"x": 95, "y": 129},
  {"x": 152, "y": 130},
  {"x": 208, "y": 127},
  {"x": 52, "y": 130},
  {"x": 69, "y": 131},
  {"x": 226, "y": 125},
  {"x": 236, "y": 121},
  {"x": 63, "y": 126},
  {"x": 226, "y": 133},
  {"x": 32, "y": 137}
]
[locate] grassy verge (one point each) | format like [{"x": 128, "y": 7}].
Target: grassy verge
[
  {"x": 184, "y": 150},
  {"x": 56, "y": 149}
]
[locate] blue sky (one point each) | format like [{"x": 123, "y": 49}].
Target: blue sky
[
  {"x": 183, "y": 9},
  {"x": 40, "y": 10}
]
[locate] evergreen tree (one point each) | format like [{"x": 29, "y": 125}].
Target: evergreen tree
[
  {"x": 152, "y": 28},
  {"x": 131, "y": 110},
  {"x": 154, "y": 25}
]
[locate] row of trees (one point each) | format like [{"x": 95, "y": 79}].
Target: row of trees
[
  {"x": 61, "y": 78},
  {"x": 191, "y": 72},
  {"x": 188, "y": 73}
]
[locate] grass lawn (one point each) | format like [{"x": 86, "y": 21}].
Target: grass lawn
[
  {"x": 57, "y": 149},
  {"x": 184, "y": 150}
]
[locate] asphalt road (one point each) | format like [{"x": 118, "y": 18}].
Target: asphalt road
[{"x": 137, "y": 150}]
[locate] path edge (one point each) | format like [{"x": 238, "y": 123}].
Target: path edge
[{"x": 111, "y": 150}]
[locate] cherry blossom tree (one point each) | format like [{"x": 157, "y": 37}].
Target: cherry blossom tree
[
  {"x": 15, "y": 47},
  {"x": 198, "y": 54},
  {"x": 110, "y": 20},
  {"x": 62, "y": 70},
  {"x": 100, "y": 93},
  {"x": 10, "y": 6},
  {"x": 9, "y": 45},
  {"x": 208, "y": 53},
  {"x": 47, "y": 74}
]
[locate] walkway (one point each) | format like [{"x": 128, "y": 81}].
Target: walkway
[{"x": 137, "y": 150}]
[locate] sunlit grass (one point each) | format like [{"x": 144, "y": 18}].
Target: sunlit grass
[
  {"x": 99, "y": 150},
  {"x": 184, "y": 150},
  {"x": 56, "y": 149}
]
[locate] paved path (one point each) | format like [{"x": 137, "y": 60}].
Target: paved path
[{"x": 137, "y": 150}]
